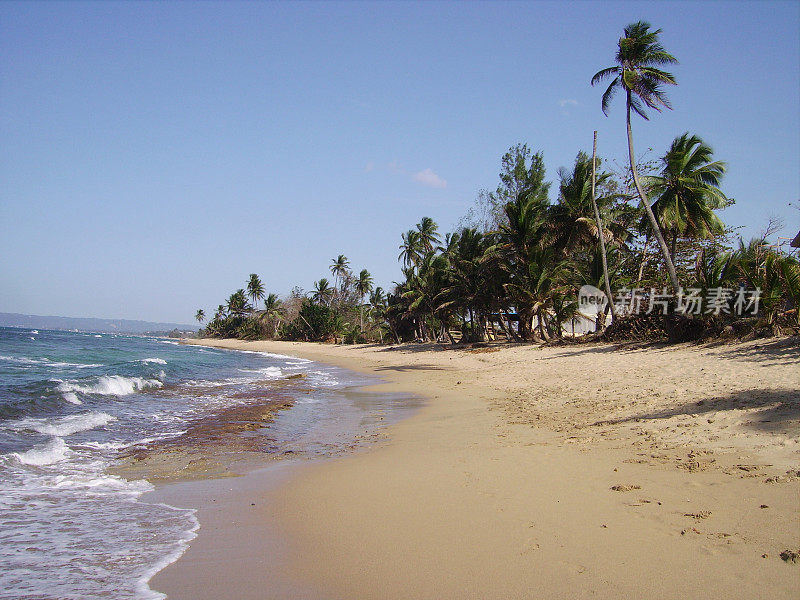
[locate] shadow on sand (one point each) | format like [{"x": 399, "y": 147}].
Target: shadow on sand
[{"x": 783, "y": 408}]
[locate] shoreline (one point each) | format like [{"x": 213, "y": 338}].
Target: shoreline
[{"x": 508, "y": 481}]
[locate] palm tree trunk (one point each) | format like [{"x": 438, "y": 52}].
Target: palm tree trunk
[
  {"x": 600, "y": 230},
  {"x": 673, "y": 276},
  {"x": 674, "y": 243},
  {"x": 644, "y": 257}
]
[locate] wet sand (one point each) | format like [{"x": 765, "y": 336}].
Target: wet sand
[{"x": 591, "y": 471}]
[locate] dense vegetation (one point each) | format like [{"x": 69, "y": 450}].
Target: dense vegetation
[{"x": 515, "y": 266}]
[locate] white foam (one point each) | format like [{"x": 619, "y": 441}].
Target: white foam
[
  {"x": 158, "y": 361},
  {"x": 23, "y": 360},
  {"x": 53, "y": 451},
  {"x": 111, "y": 385},
  {"x": 35, "y": 332},
  {"x": 269, "y": 372},
  {"x": 71, "y": 397},
  {"x": 169, "y": 342},
  {"x": 98, "y": 336},
  {"x": 65, "y": 425}
]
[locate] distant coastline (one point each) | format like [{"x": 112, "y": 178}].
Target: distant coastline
[{"x": 91, "y": 324}]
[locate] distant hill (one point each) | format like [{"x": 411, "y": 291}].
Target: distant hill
[{"x": 90, "y": 324}]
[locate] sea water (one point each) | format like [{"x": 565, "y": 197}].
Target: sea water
[{"x": 71, "y": 402}]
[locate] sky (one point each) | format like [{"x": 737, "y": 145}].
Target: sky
[{"x": 153, "y": 155}]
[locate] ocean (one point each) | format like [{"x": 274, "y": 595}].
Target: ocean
[{"x": 72, "y": 403}]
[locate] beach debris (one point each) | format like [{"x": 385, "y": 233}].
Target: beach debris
[
  {"x": 790, "y": 476},
  {"x": 764, "y": 506},
  {"x": 703, "y": 514},
  {"x": 690, "y": 530},
  {"x": 625, "y": 488},
  {"x": 748, "y": 468},
  {"x": 790, "y": 556}
]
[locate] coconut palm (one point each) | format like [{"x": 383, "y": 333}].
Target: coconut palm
[
  {"x": 323, "y": 292},
  {"x": 363, "y": 287},
  {"x": 200, "y": 315},
  {"x": 412, "y": 249},
  {"x": 220, "y": 312},
  {"x": 273, "y": 312},
  {"x": 339, "y": 268},
  {"x": 255, "y": 289},
  {"x": 428, "y": 233},
  {"x": 638, "y": 57},
  {"x": 687, "y": 190},
  {"x": 237, "y": 303},
  {"x": 572, "y": 221}
]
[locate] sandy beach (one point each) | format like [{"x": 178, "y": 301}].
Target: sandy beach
[{"x": 561, "y": 472}]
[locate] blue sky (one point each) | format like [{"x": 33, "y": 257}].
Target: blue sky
[{"x": 155, "y": 154}]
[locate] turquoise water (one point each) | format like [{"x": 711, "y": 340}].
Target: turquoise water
[{"x": 71, "y": 401}]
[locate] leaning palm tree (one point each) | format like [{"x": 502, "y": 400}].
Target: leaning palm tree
[
  {"x": 255, "y": 289},
  {"x": 639, "y": 55},
  {"x": 363, "y": 287},
  {"x": 687, "y": 190},
  {"x": 200, "y": 316}
]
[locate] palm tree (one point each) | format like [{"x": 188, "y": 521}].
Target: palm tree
[
  {"x": 200, "y": 316},
  {"x": 412, "y": 248},
  {"x": 255, "y": 289},
  {"x": 524, "y": 256},
  {"x": 639, "y": 55},
  {"x": 428, "y": 233},
  {"x": 339, "y": 268},
  {"x": 601, "y": 230},
  {"x": 363, "y": 287},
  {"x": 237, "y": 303},
  {"x": 687, "y": 190},
  {"x": 322, "y": 291}
]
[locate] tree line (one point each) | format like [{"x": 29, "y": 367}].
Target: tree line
[{"x": 514, "y": 266}]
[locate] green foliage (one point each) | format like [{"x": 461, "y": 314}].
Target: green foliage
[{"x": 314, "y": 323}]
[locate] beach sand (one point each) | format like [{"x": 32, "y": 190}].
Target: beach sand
[{"x": 586, "y": 471}]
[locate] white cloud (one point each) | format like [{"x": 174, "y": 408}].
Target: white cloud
[
  {"x": 567, "y": 102},
  {"x": 429, "y": 178}
]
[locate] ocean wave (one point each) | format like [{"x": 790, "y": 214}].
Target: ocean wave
[
  {"x": 53, "y": 451},
  {"x": 22, "y": 360},
  {"x": 158, "y": 361},
  {"x": 269, "y": 372},
  {"x": 111, "y": 385},
  {"x": 169, "y": 342},
  {"x": 65, "y": 425},
  {"x": 71, "y": 397}
]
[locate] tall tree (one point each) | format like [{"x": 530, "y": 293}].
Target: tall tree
[
  {"x": 428, "y": 234},
  {"x": 601, "y": 230},
  {"x": 255, "y": 289},
  {"x": 339, "y": 268},
  {"x": 638, "y": 57},
  {"x": 412, "y": 248},
  {"x": 323, "y": 292},
  {"x": 363, "y": 287},
  {"x": 687, "y": 190},
  {"x": 200, "y": 316}
]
